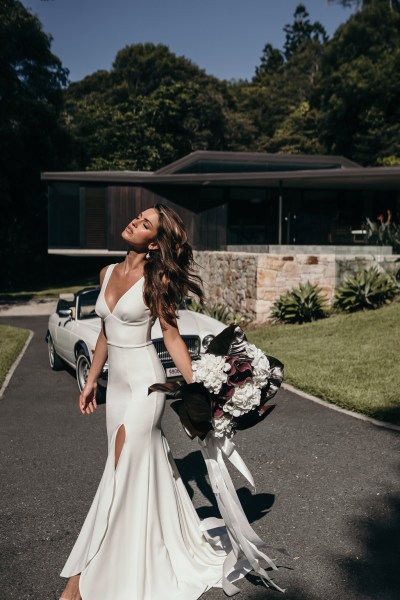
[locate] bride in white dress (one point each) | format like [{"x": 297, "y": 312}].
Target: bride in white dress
[{"x": 141, "y": 539}]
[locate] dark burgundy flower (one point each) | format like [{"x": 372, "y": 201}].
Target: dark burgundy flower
[
  {"x": 218, "y": 412},
  {"x": 240, "y": 371},
  {"x": 218, "y": 405}
]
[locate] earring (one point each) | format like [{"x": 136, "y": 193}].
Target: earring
[{"x": 148, "y": 255}]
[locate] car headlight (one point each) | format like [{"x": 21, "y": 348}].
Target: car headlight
[{"x": 207, "y": 341}]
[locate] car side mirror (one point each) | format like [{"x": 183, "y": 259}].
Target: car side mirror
[
  {"x": 64, "y": 308},
  {"x": 67, "y": 312}
]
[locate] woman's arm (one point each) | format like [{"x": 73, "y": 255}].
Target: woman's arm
[
  {"x": 99, "y": 356},
  {"x": 177, "y": 349},
  {"x": 87, "y": 399}
]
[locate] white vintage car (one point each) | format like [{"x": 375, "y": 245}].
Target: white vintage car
[{"x": 74, "y": 327}]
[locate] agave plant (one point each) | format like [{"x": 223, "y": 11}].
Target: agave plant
[
  {"x": 191, "y": 304},
  {"x": 368, "y": 289},
  {"x": 300, "y": 305}
]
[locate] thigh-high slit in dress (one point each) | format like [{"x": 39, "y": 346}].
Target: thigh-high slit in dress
[{"x": 141, "y": 539}]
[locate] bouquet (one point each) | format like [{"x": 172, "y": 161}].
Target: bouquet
[{"x": 232, "y": 383}]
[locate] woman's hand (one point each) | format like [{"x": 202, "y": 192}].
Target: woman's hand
[{"x": 87, "y": 399}]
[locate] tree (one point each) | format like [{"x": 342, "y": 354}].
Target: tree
[
  {"x": 152, "y": 108},
  {"x": 283, "y": 85},
  {"x": 272, "y": 60},
  {"x": 31, "y": 82},
  {"x": 391, "y": 4},
  {"x": 142, "y": 68},
  {"x": 302, "y": 31},
  {"x": 298, "y": 133},
  {"x": 359, "y": 90}
]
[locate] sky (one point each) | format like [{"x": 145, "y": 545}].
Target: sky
[{"x": 224, "y": 37}]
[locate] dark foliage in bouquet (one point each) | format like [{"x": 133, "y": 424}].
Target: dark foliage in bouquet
[{"x": 232, "y": 383}]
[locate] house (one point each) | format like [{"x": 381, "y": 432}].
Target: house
[{"x": 227, "y": 200}]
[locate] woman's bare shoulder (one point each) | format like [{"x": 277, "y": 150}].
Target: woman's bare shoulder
[{"x": 103, "y": 273}]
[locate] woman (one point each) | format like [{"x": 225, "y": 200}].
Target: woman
[{"x": 141, "y": 539}]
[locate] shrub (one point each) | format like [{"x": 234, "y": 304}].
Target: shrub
[
  {"x": 397, "y": 277},
  {"x": 221, "y": 312},
  {"x": 383, "y": 234},
  {"x": 368, "y": 289},
  {"x": 300, "y": 305}
]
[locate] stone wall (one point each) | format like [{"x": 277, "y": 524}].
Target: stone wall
[
  {"x": 346, "y": 265},
  {"x": 278, "y": 273},
  {"x": 251, "y": 282},
  {"x": 229, "y": 278}
]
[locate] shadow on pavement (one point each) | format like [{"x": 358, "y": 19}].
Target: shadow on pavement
[
  {"x": 193, "y": 471},
  {"x": 376, "y": 573},
  {"x": 390, "y": 414}
]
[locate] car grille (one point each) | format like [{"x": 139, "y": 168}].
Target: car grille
[{"x": 192, "y": 343}]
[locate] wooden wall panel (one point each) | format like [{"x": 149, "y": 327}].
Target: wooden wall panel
[
  {"x": 161, "y": 195},
  {"x": 211, "y": 228},
  {"x": 95, "y": 217},
  {"x": 122, "y": 207},
  {"x": 206, "y": 229}
]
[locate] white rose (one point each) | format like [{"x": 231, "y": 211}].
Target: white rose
[
  {"x": 261, "y": 365},
  {"x": 210, "y": 371},
  {"x": 222, "y": 426},
  {"x": 245, "y": 397}
]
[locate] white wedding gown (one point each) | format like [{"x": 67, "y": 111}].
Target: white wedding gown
[{"x": 141, "y": 539}]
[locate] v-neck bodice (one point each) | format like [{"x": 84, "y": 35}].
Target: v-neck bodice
[{"x": 129, "y": 324}]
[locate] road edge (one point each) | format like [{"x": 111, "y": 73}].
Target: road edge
[
  {"x": 350, "y": 413},
  {"x": 15, "y": 365}
]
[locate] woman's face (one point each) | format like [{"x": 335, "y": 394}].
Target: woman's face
[{"x": 142, "y": 230}]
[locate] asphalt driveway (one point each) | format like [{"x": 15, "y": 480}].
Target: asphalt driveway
[{"x": 327, "y": 488}]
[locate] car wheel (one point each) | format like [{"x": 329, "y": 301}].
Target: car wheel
[
  {"x": 55, "y": 361},
  {"x": 82, "y": 369}
]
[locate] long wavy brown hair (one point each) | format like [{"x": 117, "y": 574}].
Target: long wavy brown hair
[{"x": 174, "y": 259}]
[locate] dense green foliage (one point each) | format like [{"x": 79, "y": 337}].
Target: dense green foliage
[
  {"x": 150, "y": 109},
  {"x": 300, "y": 305},
  {"x": 337, "y": 96},
  {"x": 358, "y": 95},
  {"x": 31, "y": 138},
  {"x": 368, "y": 289}
]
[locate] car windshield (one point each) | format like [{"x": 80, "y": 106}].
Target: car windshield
[{"x": 86, "y": 303}]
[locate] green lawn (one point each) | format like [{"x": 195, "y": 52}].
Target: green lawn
[
  {"x": 12, "y": 340},
  {"x": 351, "y": 360}
]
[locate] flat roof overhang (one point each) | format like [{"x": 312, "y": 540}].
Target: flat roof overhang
[
  {"x": 246, "y": 162},
  {"x": 370, "y": 178}
]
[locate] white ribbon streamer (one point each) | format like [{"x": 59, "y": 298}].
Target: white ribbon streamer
[{"x": 245, "y": 554}]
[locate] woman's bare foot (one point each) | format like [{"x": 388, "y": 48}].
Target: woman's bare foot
[{"x": 71, "y": 591}]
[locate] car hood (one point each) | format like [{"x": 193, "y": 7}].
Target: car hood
[
  {"x": 189, "y": 323},
  {"x": 192, "y": 323}
]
